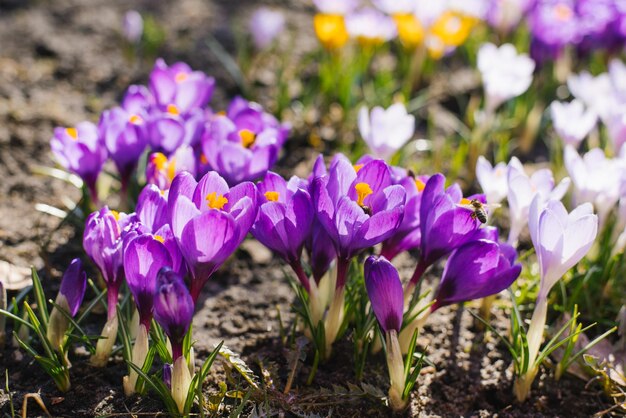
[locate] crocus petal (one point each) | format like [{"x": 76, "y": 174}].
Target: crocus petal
[{"x": 384, "y": 289}]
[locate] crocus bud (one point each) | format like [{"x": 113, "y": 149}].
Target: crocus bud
[
  {"x": 69, "y": 298},
  {"x": 167, "y": 375},
  {"x": 173, "y": 308},
  {"x": 384, "y": 289},
  {"x": 133, "y": 26}
]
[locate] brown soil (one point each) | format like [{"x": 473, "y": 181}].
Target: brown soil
[{"x": 60, "y": 63}]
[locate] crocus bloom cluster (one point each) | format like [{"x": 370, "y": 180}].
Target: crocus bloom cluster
[
  {"x": 69, "y": 298},
  {"x": 605, "y": 96},
  {"x": 243, "y": 144},
  {"x": 170, "y": 117},
  {"x": 585, "y": 24},
  {"x": 505, "y": 73},
  {"x": 385, "y": 131}
]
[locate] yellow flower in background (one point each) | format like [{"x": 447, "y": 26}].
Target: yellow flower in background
[
  {"x": 330, "y": 30},
  {"x": 453, "y": 28},
  {"x": 410, "y": 30}
]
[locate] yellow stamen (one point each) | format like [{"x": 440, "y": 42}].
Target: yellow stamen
[
  {"x": 203, "y": 159},
  {"x": 171, "y": 169},
  {"x": 410, "y": 30},
  {"x": 420, "y": 185},
  {"x": 272, "y": 196},
  {"x": 362, "y": 190},
  {"x": 247, "y": 137},
  {"x": 221, "y": 113},
  {"x": 115, "y": 214},
  {"x": 72, "y": 132},
  {"x": 135, "y": 120},
  {"x": 216, "y": 201},
  {"x": 172, "y": 109},
  {"x": 159, "y": 160},
  {"x": 159, "y": 238},
  {"x": 331, "y": 30},
  {"x": 465, "y": 201},
  {"x": 563, "y": 12},
  {"x": 357, "y": 167},
  {"x": 180, "y": 77}
]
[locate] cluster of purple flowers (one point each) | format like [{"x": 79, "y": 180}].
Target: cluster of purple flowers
[
  {"x": 586, "y": 25},
  {"x": 170, "y": 118}
]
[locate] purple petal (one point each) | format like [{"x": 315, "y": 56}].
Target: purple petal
[{"x": 384, "y": 289}]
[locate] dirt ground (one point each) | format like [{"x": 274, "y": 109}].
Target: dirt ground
[{"x": 60, "y": 63}]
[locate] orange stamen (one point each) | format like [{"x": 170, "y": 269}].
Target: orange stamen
[
  {"x": 272, "y": 196},
  {"x": 216, "y": 201},
  {"x": 72, "y": 132},
  {"x": 247, "y": 137},
  {"x": 362, "y": 190},
  {"x": 172, "y": 109}
]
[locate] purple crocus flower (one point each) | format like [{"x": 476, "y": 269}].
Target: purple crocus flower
[
  {"x": 384, "y": 289},
  {"x": 319, "y": 245},
  {"x": 152, "y": 208},
  {"x": 138, "y": 100},
  {"x": 357, "y": 209},
  {"x": 209, "y": 208},
  {"x": 73, "y": 286},
  {"x": 241, "y": 148},
  {"x": 178, "y": 85},
  {"x": 161, "y": 170},
  {"x": 265, "y": 25},
  {"x": 69, "y": 298},
  {"x": 103, "y": 242},
  {"x": 173, "y": 308},
  {"x": 124, "y": 136},
  {"x": 80, "y": 151},
  {"x": 169, "y": 130},
  {"x": 284, "y": 219},
  {"x": 251, "y": 116},
  {"x": 144, "y": 256},
  {"x": 444, "y": 224},
  {"x": 476, "y": 270},
  {"x": 133, "y": 26},
  {"x": 553, "y": 24},
  {"x": 408, "y": 236}
]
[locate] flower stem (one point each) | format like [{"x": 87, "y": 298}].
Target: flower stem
[{"x": 300, "y": 273}]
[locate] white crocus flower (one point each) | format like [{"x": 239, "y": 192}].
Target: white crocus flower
[
  {"x": 492, "y": 180},
  {"x": 523, "y": 188},
  {"x": 505, "y": 73},
  {"x": 596, "y": 178},
  {"x": 571, "y": 121},
  {"x": 386, "y": 131}
]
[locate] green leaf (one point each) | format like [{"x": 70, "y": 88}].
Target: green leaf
[
  {"x": 40, "y": 296},
  {"x": 17, "y": 319},
  {"x": 159, "y": 387}
]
